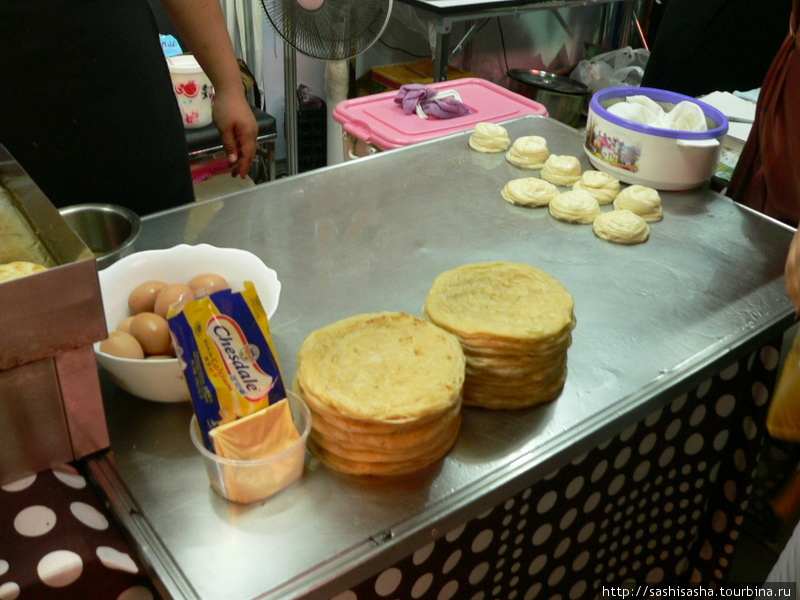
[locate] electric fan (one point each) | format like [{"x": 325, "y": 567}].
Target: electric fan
[{"x": 331, "y": 30}]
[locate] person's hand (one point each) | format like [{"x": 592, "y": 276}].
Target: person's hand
[
  {"x": 238, "y": 129},
  {"x": 793, "y": 271}
]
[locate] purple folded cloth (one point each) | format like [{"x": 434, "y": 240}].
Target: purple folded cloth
[{"x": 413, "y": 94}]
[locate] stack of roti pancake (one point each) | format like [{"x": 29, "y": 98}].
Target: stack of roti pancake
[
  {"x": 514, "y": 322},
  {"x": 384, "y": 391}
]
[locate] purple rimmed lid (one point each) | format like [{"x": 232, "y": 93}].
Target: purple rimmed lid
[{"x": 596, "y": 106}]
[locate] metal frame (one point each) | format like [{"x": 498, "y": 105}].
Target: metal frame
[
  {"x": 264, "y": 159},
  {"x": 444, "y": 16}
]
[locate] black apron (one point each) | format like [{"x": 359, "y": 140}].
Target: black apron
[
  {"x": 86, "y": 103},
  {"x": 703, "y": 46}
]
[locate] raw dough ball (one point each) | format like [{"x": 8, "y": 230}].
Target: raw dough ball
[
  {"x": 529, "y": 191},
  {"x": 601, "y": 185},
  {"x": 643, "y": 201},
  {"x": 489, "y": 137},
  {"x": 528, "y": 152},
  {"x": 561, "y": 169},
  {"x": 621, "y": 227},
  {"x": 576, "y": 206}
]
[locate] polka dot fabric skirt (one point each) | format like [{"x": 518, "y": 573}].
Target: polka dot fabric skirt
[
  {"x": 56, "y": 542},
  {"x": 662, "y": 501}
]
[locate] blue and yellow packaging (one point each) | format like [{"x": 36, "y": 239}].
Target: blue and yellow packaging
[{"x": 227, "y": 356}]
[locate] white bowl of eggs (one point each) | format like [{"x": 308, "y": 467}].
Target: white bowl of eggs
[{"x": 137, "y": 291}]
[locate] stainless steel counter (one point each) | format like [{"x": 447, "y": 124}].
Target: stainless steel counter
[{"x": 371, "y": 235}]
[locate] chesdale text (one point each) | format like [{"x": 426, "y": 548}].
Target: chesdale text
[{"x": 698, "y": 591}]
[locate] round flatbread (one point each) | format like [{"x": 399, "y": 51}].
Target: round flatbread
[
  {"x": 384, "y": 391},
  {"x": 642, "y": 200},
  {"x": 360, "y": 463},
  {"x": 621, "y": 227},
  {"x": 389, "y": 453},
  {"x": 502, "y": 396},
  {"x": 529, "y": 191},
  {"x": 490, "y": 138},
  {"x": 403, "y": 439},
  {"x": 561, "y": 169},
  {"x": 19, "y": 268},
  {"x": 514, "y": 322},
  {"x": 388, "y": 367},
  {"x": 576, "y": 206},
  {"x": 528, "y": 152},
  {"x": 603, "y": 186},
  {"x": 499, "y": 300}
]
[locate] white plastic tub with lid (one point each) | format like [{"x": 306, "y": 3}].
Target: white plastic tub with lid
[{"x": 663, "y": 159}]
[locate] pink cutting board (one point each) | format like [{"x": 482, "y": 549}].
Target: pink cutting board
[{"x": 379, "y": 121}]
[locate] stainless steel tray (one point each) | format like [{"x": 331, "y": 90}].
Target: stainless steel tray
[
  {"x": 57, "y": 310},
  {"x": 50, "y": 405},
  {"x": 370, "y": 235}
]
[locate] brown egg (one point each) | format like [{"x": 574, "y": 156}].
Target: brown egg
[
  {"x": 208, "y": 283},
  {"x": 175, "y": 293},
  {"x": 121, "y": 344},
  {"x": 152, "y": 333},
  {"x": 143, "y": 297},
  {"x": 125, "y": 324}
]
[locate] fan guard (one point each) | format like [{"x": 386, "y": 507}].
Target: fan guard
[{"x": 329, "y": 29}]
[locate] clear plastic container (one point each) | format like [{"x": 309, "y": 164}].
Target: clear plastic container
[{"x": 246, "y": 481}]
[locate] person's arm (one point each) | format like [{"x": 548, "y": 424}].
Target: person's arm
[{"x": 202, "y": 25}]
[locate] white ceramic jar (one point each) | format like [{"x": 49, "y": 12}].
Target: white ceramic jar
[
  {"x": 193, "y": 90},
  {"x": 663, "y": 159}
]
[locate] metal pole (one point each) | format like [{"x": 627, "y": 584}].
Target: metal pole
[
  {"x": 290, "y": 99},
  {"x": 626, "y": 23}
]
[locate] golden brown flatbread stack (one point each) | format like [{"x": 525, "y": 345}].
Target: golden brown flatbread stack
[
  {"x": 515, "y": 325},
  {"x": 384, "y": 391}
]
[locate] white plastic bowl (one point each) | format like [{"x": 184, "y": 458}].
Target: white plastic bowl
[
  {"x": 663, "y": 159},
  {"x": 162, "y": 380}
]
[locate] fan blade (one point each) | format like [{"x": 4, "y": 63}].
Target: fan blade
[{"x": 334, "y": 30}]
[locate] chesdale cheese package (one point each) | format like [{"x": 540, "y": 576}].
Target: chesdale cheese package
[{"x": 227, "y": 356}]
